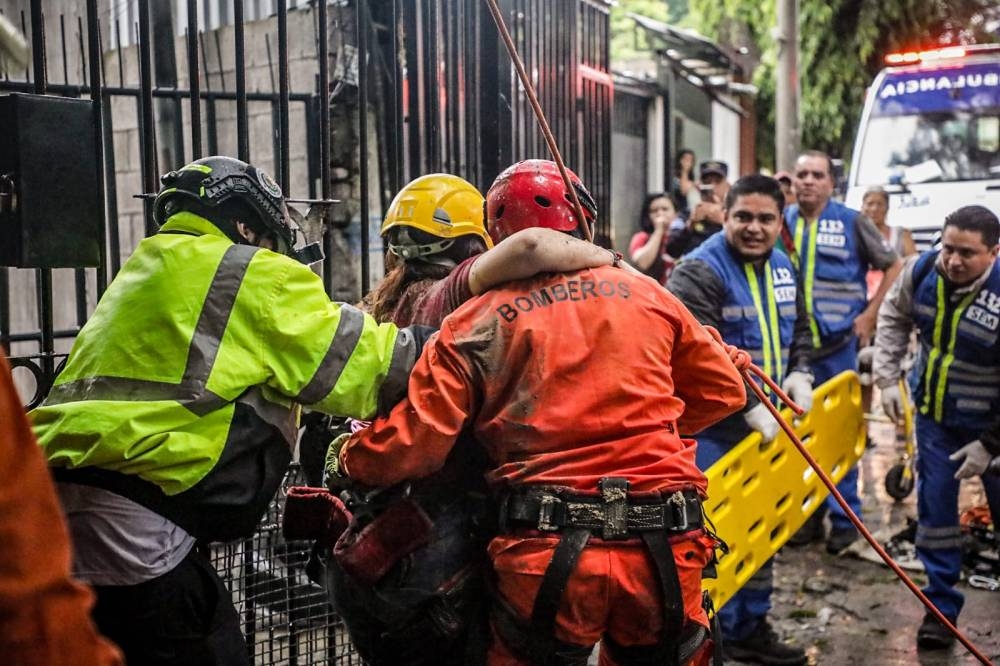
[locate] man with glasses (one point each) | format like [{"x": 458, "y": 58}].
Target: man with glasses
[
  {"x": 833, "y": 248},
  {"x": 737, "y": 282}
]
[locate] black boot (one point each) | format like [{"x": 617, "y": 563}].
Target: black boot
[
  {"x": 932, "y": 635},
  {"x": 764, "y": 647}
]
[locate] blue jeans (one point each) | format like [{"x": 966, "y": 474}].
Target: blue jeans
[
  {"x": 825, "y": 368},
  {"x": 747, "y": 608},
  {"x": 939, "y": 537}
]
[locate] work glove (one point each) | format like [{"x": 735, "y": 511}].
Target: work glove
[
  {"x": 866, "y": 355},
  {"x": 799, "y": 387},
  {"x": 760, "y": 419},
  {"x": 975, "y": 459},
  {"x": 892, "y": 402},
  {"x": 336, "y": 480}
]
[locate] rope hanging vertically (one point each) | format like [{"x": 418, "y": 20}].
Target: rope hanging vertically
[{"x": 543, "y": 124}]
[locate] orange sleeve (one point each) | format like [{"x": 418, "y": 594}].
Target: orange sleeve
[
  {"x": 414, "y": 440},
  {"x": 44, "y": 613},
  {"x": 704, "y": 377}
]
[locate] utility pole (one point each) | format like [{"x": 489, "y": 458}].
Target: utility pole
[{"x": 787, "y": 135}]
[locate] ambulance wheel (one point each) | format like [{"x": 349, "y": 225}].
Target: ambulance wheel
[{"x": 897, "y": 485}]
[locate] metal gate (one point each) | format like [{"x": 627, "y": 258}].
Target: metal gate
[{"x": 443, "y": 98}]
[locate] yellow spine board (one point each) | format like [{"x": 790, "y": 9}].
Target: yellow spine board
[{"x": 761, "y": 494}]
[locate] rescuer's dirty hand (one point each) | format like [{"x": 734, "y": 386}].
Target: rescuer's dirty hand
[
  {"x": 975, "y": 459},
  {"x": 892, "y": 402},
  {"x": 760, "y": 419},
  {"x": 799, "y": 387}
]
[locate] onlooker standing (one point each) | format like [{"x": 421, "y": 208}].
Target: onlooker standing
[
  {"x": 738, "y": 283},
  {"x": 787, "y": 187},
  {"x": 648, "y": 248},
  {"x": 706, "y": 218},
  {"x": 684, "y": 187},
  {"x": 834, "y": 246},
  {"x": 952, "y": 297}
]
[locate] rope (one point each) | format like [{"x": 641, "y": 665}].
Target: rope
[{"x": 543, "y": 124}]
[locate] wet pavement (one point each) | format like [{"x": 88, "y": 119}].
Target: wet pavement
[{"x": 846, "y": 610}]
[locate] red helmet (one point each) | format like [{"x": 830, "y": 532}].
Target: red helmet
[{"x": 532, "y": 194}]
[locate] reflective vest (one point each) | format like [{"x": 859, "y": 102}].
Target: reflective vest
[
  {"x": 956, "y": 380},
  {"x": 830, "y": 270},
  {"x": 758, "y": 313},
  {"x": 181, "y": 391}
]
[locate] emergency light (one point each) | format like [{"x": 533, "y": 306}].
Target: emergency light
[{"x": 944, "y": 53}]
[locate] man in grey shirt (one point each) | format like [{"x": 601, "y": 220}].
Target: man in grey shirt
[{"x": 832, "y": 248}]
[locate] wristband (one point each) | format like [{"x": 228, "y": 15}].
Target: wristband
[{"x": 616, "y": 258}]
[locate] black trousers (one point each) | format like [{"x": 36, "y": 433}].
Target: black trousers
[{"x": 185, "y": 616}]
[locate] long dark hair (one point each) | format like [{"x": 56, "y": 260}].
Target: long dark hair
[
  {"x": 645, "y": 224},
  {"x": 382, "y": 301},
  {"x": 677, "y": 162}
]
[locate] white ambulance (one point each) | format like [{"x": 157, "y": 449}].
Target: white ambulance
[{"x": 930, "y": 136}]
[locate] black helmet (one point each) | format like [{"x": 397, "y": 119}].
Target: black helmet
[{"x": 213, "y": 184}]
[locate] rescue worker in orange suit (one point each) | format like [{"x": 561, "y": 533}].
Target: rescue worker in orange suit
[
  {"x": 44, "y": 613},
  {"x": 440, "y": 257},
  {"x": 576, "y": 384},
  {"x": 737, "y": 282}
]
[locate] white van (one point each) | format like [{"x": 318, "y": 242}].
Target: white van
[{"x": 930, "y": 136}]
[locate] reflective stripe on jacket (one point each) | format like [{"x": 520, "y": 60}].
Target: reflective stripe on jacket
[
  {"x": 830, "y": 270},
  {"x": 181, "y": 391},
  {"x": 758, "y": 313},
  {"x": 565, "y": 379},
  {"x": 956, "y": 379}
]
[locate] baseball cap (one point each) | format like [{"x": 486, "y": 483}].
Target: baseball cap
[{"x": 713, "y": 167}]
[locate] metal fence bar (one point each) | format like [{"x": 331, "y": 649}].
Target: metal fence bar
[
  {"x": 242, "y": 122},
  {"x": 284, "y": 173},
  {"x": 147, "y": 143},
  {"x": 194, "y": 77},
  {"x": 362, "y": 20},
  {"x": 95, "y": 82}
]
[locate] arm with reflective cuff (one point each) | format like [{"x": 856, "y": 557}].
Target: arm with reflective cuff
[
  {"x": 414, "y": 440},
  {"x": 330, "y": 356}
]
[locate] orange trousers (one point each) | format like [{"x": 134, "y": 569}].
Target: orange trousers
[
  {"x": 613, "y": 591},
  {"x": 44, "y": 613}
]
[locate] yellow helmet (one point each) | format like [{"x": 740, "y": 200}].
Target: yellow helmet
[{"x": 438, "y": 204}]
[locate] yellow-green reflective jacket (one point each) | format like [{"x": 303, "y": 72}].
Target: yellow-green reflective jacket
[{"x": 182, "y": 390}]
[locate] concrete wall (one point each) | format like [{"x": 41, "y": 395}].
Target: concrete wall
[{"x": 122, "y": 68}]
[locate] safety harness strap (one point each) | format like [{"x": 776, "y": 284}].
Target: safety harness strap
[
  {"x": 550, "y": 593},
  {"x": 673, "y": 602}
]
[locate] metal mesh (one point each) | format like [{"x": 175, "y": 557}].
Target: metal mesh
[{"x": 286, "y": 617}]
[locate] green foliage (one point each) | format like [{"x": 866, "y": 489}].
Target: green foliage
[
  {"x": 625, "y": 42},
  {"x": 842, "y": 44}
]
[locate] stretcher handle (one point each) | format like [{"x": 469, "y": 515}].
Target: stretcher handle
[{"x": 748, "y": 373}]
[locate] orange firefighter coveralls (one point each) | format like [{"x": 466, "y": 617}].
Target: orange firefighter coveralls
[
  {"x": 567, "y": 379},
  {"x": 44, "y": 614}
]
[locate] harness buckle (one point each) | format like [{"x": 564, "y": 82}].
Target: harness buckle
[
  {"x": 678, "y": 504},
  {"x": 546, "y": 510},
  {"x": 614, "y": 493}
]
